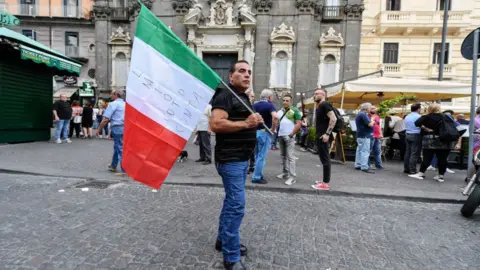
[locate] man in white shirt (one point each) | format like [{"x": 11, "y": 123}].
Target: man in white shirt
[
  {"x": 288, "y": 127},
  {"x": 203, "y": 134}
]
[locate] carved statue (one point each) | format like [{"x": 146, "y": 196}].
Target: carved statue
[
  {"x": 195, "y": 11},
  {"x": 220, "y": 12},
  {"x": 245, "y": 9}
]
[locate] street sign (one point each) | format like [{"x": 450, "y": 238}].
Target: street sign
[
  {"x": 87, "y": 90},
  {"x": 467, "y": 46},
  {"x": 8, "y": 19}
]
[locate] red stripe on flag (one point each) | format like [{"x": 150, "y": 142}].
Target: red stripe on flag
[{"x": 149, "y": 149}]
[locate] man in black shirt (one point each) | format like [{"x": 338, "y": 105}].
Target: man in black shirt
[
  {"x": 235, "y": 130},
  {"x": 325, "y": 122},
  {"x": 62, "y": 110}
]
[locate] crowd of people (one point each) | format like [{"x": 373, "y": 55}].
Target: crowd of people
[
  {"x": 243, "y": 140},
  {"x": 71, "y": 117}
]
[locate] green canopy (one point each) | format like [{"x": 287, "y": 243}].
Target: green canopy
[{"x": 41, "y": 54}]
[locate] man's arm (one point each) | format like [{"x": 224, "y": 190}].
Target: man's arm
[
  {"x": 371, "y": 123},
  {"x": 331, "y": 123},
  {"x": 274, "y": 121},
  {"x": 56, "y": 115},
  {"x": 221, "y": 124},
  {"x": 105, "y": 121}
]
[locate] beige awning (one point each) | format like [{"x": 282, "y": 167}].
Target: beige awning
[
  {"x": 68, "y": 91},
  {"x": 374, "y": 90}
]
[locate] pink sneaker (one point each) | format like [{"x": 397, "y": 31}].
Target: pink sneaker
[{"x": 321, "y": 186}]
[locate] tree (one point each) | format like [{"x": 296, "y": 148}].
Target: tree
[{"x": 385, "y": 106}]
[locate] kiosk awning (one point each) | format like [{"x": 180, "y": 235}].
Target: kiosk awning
[
  {"x": 50, "y": 60},
  {"x": 41, "y": 54}
]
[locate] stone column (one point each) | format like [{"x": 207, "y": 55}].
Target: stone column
[{"x": 102, "y": 52}]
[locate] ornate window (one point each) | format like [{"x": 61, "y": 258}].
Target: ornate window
[
  {"x": 121, "y": 69},
  {"x": 120, "y": 43},
  {"x": 330, "y": 54},
  {"x": 282, "y": 40}
]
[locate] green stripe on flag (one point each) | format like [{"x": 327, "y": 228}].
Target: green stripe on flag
[{"x": 156, "y": 34}]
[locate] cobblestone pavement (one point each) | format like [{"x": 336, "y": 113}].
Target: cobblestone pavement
[
  {"x": 92, "y": 157},
  {"x": 127, "y": 226}
]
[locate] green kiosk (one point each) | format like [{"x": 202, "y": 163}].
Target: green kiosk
[{"x": 26, "y": 86}]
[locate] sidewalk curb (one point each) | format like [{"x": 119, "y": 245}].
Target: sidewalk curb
[
  {"x": 331, "y": 193},
  {"x": 291, "y": 190}
]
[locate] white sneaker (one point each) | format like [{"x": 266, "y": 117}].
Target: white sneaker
[
  {"x": 439, "y": 178},
  {"x": 420, "y": 176},
  {"x": 290, "y": 181},
  {"x": 68, "y": 141},
  {"x": 450, "y": 171},
  {"x": 303, "y": 149},
  {"x": 58, "y": 141},
  {"x": 281, "y": 176},
  {"x": 100, "y": 136},
  {"x": 431, "y": 168}
]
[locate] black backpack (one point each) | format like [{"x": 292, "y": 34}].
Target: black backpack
[
  {"x": 447, "y": 132},
  {"x": 340, "y": 122}
]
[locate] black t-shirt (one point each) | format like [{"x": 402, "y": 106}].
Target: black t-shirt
[
  {"x": 322, "y": 120},
  {"x": 87, "y": 113},
  {"x": 430, "y": 121},
  {"x": 64, "y": 110},
  {"x": 235, "y": 146}
]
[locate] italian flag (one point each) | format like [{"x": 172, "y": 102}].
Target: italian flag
[{"x": 168, "y": 89}]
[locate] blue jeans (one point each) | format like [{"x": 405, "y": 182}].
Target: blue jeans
[
  {"x": 274, "y": 140},
  {"x": 234, "y": 175},
  {"x": 434, "y": 161},
  {"x": 117, "y": 134},
  {"x": 363, "y": 153},
  {"x": 376, "y": 149},
  {"x": 62, "y": 128},
  {"x": 263, "y": 145}
]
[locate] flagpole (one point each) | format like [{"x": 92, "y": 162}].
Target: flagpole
[{"x": 246, "y": 106}]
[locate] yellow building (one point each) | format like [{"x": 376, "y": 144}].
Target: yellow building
[{"x": 404, "y": 38}]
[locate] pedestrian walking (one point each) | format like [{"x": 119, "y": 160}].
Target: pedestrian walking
[
  {"x": 115, "y": 114},
  {"x": 303, "y": 133},
  {"x": 235, "y": 130},
  {"x": 413, "y": 140},
  {"x": 376, "y": 143},
  {"x": 431, "y": 143},
  {"x": 203, "y": 136},
  {"x": 269, "y": 114},
  {"x": 364, "y": 136},
  {"x": 289, "y": 124},
  {"x": 76, "y": 122},
  {"x": 101, "y": 110},
  {"x": 325, "y": 122},
  {"x": 62, "y": 112},
  {"x": 87, "y": 121}
]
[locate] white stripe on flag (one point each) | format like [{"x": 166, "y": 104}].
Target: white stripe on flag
[{"x": 164, "y": 92}]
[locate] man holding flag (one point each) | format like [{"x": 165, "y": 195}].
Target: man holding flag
[
  {"x": 169, "y": 87},
  {"x": 235, "y": 128}
]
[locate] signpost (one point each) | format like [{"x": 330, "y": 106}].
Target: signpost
[
  {"x": 469, "y": 51},
  {"x": 8, "y": 19},
  {"x": 86, "y": 90}
]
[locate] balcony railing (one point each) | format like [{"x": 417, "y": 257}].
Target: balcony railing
[
  {"x": 421, "y": 19},
  {"x": 448, "y": 70},
  {"x": 37, "y": 10},
  {"x": 119, "y": 14},
  {"x": 333, "y": 13},
  {"x": 71, "y": 51},
  {"x": 392, "y": 69}
]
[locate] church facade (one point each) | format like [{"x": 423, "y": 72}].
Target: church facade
[{"x": 292, "y": 45}]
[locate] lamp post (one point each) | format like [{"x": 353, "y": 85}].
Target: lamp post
[{"x": 444, "y": 38}]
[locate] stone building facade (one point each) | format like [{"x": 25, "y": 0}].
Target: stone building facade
[
  {"x": 403, "y": 37},
  {"x": 64, "y": 26},
  {"x": 293, "y": 45}
]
